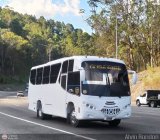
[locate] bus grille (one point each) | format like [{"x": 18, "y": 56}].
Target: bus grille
[{"x": 110, "y": 111}]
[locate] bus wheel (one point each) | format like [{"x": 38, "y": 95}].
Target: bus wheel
[
  {"x": 114, "y": 123},
  {"x": 40, "y": 113},
  {"x": 72, "y": 119}
]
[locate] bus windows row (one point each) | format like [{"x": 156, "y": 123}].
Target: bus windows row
[
  {"x": 45, "y": 75},
  {"x": 49, "y": 74}
]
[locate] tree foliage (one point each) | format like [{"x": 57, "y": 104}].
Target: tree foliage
[
  {"x": 138, "y": 30},
  {"x": 26, "y": 41}
]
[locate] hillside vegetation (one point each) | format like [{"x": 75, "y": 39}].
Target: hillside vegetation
[
  {"x": 26, "y": 40},
  {"x": 148, "y": 79}
]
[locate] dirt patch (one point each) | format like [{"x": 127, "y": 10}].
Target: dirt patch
[{"x": 20, "y": 101}]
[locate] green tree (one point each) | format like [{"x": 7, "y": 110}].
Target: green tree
[
  {"x": 26, "y": 41},
  {"x": 138, "y": 32}
]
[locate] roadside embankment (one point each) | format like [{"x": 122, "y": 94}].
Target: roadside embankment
[{"x": 148, "y": 79}]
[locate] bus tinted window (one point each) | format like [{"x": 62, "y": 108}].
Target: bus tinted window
[
  {"x": 39, "y": 76},
  {"x": 63, "y": 82},
  {"x": 112, "y": 76},
  {"x": 54, "y": 72},
  {"x": 71, "y": 63},
  {"x": 46, "y": 73},
  {"x": 65, "y": 67},
  {"x": 33, "y": 76},
  {"x": 73, "y": 84},
  {"x": 74, "y": 78}
]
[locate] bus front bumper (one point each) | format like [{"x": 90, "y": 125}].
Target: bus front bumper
[{"x": 104, "y": 114}]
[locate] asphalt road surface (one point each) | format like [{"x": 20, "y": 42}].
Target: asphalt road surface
[{"x": 19, "y": 123}]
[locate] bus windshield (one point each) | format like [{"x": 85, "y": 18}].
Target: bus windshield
[{"x": 103, "y": 78}]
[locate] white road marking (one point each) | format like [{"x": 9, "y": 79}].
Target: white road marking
[{"x": 52, "y": 128}]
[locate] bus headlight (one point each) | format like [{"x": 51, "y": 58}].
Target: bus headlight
[
  {"x": 88, "y": 105},
  {"x": 91, "y": 107}
]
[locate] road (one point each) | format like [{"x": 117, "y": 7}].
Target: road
[{"x": 19, "y": 123}]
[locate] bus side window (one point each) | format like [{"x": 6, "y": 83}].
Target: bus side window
[
  {"x": 33, "y": 76},
  {"x": 46, "y": 73},
  {"x": 54, "y": 72},
  {"x": 63, "y": 81},
  {"x": 73, "y": 83},
  {"x": 70, "y": 67},
  {"x": 65, "y": 66},
  {"x": 39, "y": 76}
]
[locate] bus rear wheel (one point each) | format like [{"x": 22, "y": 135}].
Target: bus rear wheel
[
  {"x": 40, "y": 113},
  {"x": 72, "y": 119}
]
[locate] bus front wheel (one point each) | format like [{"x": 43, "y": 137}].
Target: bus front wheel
[{"x": 72, "y": 119}]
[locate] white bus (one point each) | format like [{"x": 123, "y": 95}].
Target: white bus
[{"x": 81, "y": 88}]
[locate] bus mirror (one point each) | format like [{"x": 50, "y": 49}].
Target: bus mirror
[{"x": 134, "y": 76}]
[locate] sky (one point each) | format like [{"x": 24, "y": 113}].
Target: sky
[{"x": 66, "y": 11}]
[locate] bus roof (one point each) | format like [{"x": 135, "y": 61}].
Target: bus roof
[{"x": 81, "y": 59}]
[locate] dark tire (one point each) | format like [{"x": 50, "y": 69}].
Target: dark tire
[
  {"x": 72, "y": 119},
  {"x": 38, "y": 106},
  {"x": 68, "y": 118},
  {"x": 114, "y": 123},
  {"x": 138, "y": 103},
  {"x": 153, "y": 104},
  {"x": 40, "y": 113}
]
